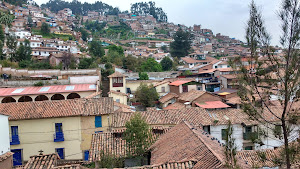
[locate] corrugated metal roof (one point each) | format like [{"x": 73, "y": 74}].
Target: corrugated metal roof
[
  {"x": 179, "y": 82},
  {"x": 47, "y": 89},
  {"x": 213, "y": 105}
]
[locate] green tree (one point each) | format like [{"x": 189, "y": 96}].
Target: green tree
[
  {"x": 151, "y": 66},
  {"x": 137, "y": 135},
  {"x": 146, "y": 95},
  {"x": 84, "y": 34},
  {"x": 272, "y": 73},
  {"x": 11, "y": 43},
  {"x": 230, "y": 148},
  {"x": 23, "y": 52},
  {"x": 1, "y": 50},
  {"x": 6, "y": 19},
  {"x": 30, "y": 21},
  {"x": 143, "y": 76},
  {"x": 85, "y": 63},
  {"x": 133, "y": 63},
  {"x": 2, "y": 35},
  {"x": 95, "y": 49},
  {"x": 187, "y": 73},
  {"x": 182, "y": 44},
  {"x": 166, "y": 64},
  {"x": 45, "y": 30}
]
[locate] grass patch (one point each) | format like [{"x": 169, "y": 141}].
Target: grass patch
[{"x": 36, "y": 31}]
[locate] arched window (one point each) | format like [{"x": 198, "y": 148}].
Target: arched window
[
  {"x": 58, "y": 97},
  {"x": 41, "y": 98},
  {"x": 25, "y": 99},
  {"x": 8, "y": 100},
  {"x": 73, "y": 96}
]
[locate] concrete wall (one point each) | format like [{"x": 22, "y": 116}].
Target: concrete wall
[
  {"x": 133, "y": 85},
  {"x": 38, "y": 134},
  {"x": 88, "y": 128},
  {"x": 216, "y": 131},
  {"x": 4, "y": 135},
  {"x": 84, "y": 79},
  {"x": 167, "y": 89},
  {"x": 123, "y": 99},
  {"x": 33, "y": 96},
  {"x": 50, "y": 72},
  {"x": 32, "y": 82}
]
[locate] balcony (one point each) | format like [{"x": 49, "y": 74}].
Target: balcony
[
  {"x": 58, "y": 137},
  {"x": 117, "y": 84},
  {"x": 14, "y": 140},
  {"x": 250, "y": 136}
]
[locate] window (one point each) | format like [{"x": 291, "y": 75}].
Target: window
[
  {"x": 185, "y": 89},
  {"x": 118, "y": 100},
  {"x": 58, "y": 135},
  {"x": 60, "y": 152},
  {"x": 98, "y": 121},
  {"x": 224, "y": 133},
  {"x": 163, "y": 89},
  {"x": 249, "y": 148},
  {"x": 14, "y": 135},
  {"x": 206, "y": 129},
  {"x": 117, "y": 81},
  {"x": 199, "y": 88}
]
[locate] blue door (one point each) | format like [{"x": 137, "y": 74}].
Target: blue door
[
  {"x": 14, "y": 136},
  {"x": 86, "y": 155},
  {"x": 60, "y": 152},
  {"x": 58, "y": 127},
  {"x": 17, "y": 157},
  {"x": 98, "y": 121}
]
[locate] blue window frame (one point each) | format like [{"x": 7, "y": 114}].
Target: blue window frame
[
  {"x": 86, "y": 155},
  {"x": 14, "y": 135},
  {"x": 59, "y": 135},
  {"x": 60, "y": 152},
  {"x": 17, "y": 157},
  {"x": 98, "y": 121}
]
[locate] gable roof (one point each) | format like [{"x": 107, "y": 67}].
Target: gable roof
[
  {"x": 191, "y": 95},
  {"x": 57, "y": 108},
  {"x": 184, "y": 142},
  {"x": 168, "y": 97},
  {"x": 179, "y": 82},
  {"x": 174, "y": 106},
  {"x": 42, "y": 161},
  {"x": 116, "y": 74},
  {"x": 212, "y": 105}
]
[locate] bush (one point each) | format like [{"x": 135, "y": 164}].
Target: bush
[{"x": 40, "y": 83}]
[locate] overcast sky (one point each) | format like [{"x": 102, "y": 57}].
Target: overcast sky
[{"x": 227, "y": 17}]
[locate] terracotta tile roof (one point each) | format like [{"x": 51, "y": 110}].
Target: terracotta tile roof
[
  {"x": 5, "y": 156},
  {"x": 116, "y": 74},
  {"x": 227, "y": 91},
  {"x": 184, "y": 142},
  {"x": 162, "y": 82},
  {"x": 176, "y": 105},
  {"x": 212, "y": 105},
  {"x": 57, "y": 108},
  {"x": 189, "y": 60},
  {"x": 168, "y": 97},
  {"x": 47, "y": 89},
  {"x": 184, "y": 164},
  {"x": 234, "y": 100},
  {"x": 179, "y": 82},
  {"x": 42, "y": 161},
  {"x": 70, "y": 166},
  {"x": 119, "y": 107},
  {"x": 193, "y": 115},
  {"x": 191, "y": 95},
  {"x": 111, "y": 143},
  {"x": 94, "y": 95}
]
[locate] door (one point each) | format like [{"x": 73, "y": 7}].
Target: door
[
  {"x": 58, "y": 127},
  {"x": 86, "y": 155},
  {"x": 14, "y": 130},
  {"x": 17, "y": 157}
]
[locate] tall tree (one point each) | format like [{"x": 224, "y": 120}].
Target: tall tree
[
  {"x": 2, "y": 35},
  {"x": 67, "y": 60},
  {"x": 95, "y": 49},
  {"x": 166, "y": 64},
  {"x": 230, "y": 148},
  {"x": 45, "y": 30},
  {"x": 182, "y": 44},
  {"x": 137, "y": 135},
  {"x": 151, "y": 66},
  {"x": 23, "y": 52},
  {"x": 272, "y": 75},
  {"x": 143, "y": 76},
  {"x": 149, "y": 8},
  {"x": 11, "y": 43},
  {"x": 146, "y": 95}
]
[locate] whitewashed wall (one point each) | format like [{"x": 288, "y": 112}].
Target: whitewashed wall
[{"x": 4, "y": 135}]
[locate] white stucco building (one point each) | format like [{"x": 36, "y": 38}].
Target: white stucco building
[{"x": 4, "y": 135}]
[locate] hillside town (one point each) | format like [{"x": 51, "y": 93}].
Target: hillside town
[{"x": 120, "y": 89}]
